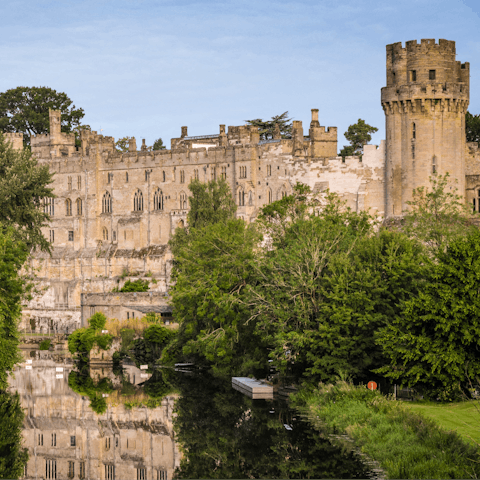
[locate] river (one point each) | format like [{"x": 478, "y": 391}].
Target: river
[{"x": 129, "y": 424}]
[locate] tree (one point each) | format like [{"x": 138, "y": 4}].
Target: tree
[
  {"x": 437, "y": 215},
  {"x": 358, "y": 135},
  {"x": 25, "y": 109},
  {"x": 13, "y": 457},
  {"x": 158, "y": 144},
  {"x": 122, "y": 144},
  {"x": 433, "y": 344},
  {"x": 210, "y": 203},
  {"x": 267, "y": 128},
  {"x": 212, "y": 265},
  {"x": 472, "y": 127},
  {"x": 23, "y": 190},
  {"x": 13, "y": 290}
]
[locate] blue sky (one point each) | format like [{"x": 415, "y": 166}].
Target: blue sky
[{"x": 144, "y": 68}]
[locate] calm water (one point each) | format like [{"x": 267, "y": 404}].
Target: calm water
[{"x": 129, "y": 424}]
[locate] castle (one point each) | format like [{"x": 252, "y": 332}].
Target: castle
[{"x": 115, "y": 212}]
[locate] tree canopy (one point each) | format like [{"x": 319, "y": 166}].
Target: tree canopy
[
  {"x": 472, "y": 127},
  {"x": 24, "y": 186},
  {"x": 25, "y": 109},
  {"x": 158, "y": 144},
  {"x": 358, "y": 135},
  {"x": 267, "y": 128}
]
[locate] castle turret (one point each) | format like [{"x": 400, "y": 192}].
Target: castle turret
[{"x": 425, "y": 102}]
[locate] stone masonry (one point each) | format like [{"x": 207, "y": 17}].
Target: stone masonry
[{"x": 115, "y": 212}]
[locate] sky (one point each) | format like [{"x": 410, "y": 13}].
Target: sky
[{"x": 145, "y": 68}]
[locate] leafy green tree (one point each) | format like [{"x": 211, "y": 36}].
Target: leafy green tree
[
  {"x": 433, "y": 344},
  {"x": 13, "y": 457},
  {"x": 24, "y": 186},
  {"x": 358, "y": 135},
  {"x": 122, "y": 144},
  {"x": 25, "y": 109},
  {"x": 437, "y": 215},
  {"x": 158, "y": 144},
  {"x": 212, "y": 266},
  {"x": 211, "y": 202},
  {"x": 472, "y": 127},
  {"x": 13, "y": 290},
  {"x": 279, "y": 123}
]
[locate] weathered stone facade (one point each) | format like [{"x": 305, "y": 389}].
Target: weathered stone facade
[{"x": 115, "y": 212}]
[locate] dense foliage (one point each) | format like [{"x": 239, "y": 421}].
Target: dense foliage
[
  {"x": 472, "y": 127},
  {"x": 148, "y": 348},
  {"x": 133, "y": 286},
  {"x": 82, "y": 340},
  {"x": 24, "y": 185},
  {"x": 316, "y": 290},
  {"x": 13, "y": 456},
  {"x": 13, "y": 287},
  {"x": 25, "y": 109}
]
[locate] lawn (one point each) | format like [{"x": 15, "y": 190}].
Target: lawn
[{"x": 463, "y": 417}]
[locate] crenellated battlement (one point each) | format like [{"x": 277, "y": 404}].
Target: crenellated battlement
[{"x": 425, "y": 45}]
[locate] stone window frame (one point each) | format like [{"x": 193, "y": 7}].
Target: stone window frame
[
  {"x": 79, "y": 204},
  {"x": 138, "y": 201},
  {"x": 107, "y": 203},
  {"x": 158, "y": 200},
  {"x": 183, "y": 201},
  {"x": 105, "y": 233},
  {"x": 68, "y": 207}
]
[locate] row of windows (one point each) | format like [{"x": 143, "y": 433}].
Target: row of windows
[
  {"x": 79, "y": 183},
  {"x": 241, "y": 197},
  {"x": 68, "y": 207},
  {"x": 432, "y": 75},
  {"x": 54, "y": 440},
  {"x": 51, "y": 469},
  {"x": 138, "y": 204}
]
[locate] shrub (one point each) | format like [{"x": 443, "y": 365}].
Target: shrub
[
  {"x": 104, "y": 341},
  {"x": 135, "y": 286},
  {"x": 97, "y": 321},
  {"x": 45, "y": 344}
]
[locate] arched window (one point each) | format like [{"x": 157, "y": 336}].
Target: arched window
[
  {"x": 180, "y": 224},
  {"x": 107, "y": 203},
  {"x": 105, "y": 233},
  {"x": 158, "y": 200},
  {"x": 138, "y": 201},
  {"x": 183, "y": 201},
  {"x": 68, "y": 207},
  {"x": 241, "y": 198},
  {"x": 269, "y": 196},
  {"x": 250, "y": 198},
  {"x": 79, "y": 206}
]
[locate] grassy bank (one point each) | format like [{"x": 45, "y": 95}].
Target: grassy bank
[
  {"x": 462, "y": 417},
  {"x": 404, "y": 443}
]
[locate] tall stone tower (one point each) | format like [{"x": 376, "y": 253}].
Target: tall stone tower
[{"x": 425, "y": 102}]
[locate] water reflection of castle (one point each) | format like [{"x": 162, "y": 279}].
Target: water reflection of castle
[{"x": 66, "y": 439}]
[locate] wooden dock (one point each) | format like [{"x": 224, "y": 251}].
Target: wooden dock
[{"x": 252, "y": 388}]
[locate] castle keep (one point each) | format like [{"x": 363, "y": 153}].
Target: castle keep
[{"x": 115, "y": 212}]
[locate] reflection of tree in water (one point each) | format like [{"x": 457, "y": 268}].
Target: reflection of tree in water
[
  {"x": 224, "y": 434},
  {"x": 13, "y": 456},
  {"x": 154, "y": 389}
]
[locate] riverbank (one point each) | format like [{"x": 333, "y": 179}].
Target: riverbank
[
  {"x": 404, "y": 443},
  {"x": 462, "y": 417}
]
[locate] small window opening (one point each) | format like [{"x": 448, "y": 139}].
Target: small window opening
[
  {"x": 431, "y": 74},
  {"x": 413, "y": 75}
]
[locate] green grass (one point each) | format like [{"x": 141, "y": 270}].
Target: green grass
[
  {"x": 462, "y": 417},
  {"x": 404, "y": 443}
]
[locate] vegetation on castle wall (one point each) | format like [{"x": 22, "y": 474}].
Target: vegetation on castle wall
[
  {"x": 84, "y": 385},
  {"x": 358, "y": 135},
  {"x": 472, "y": 127},
  {"x": 267, "y": 128},
  {"x": 133, "y": 286}
]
